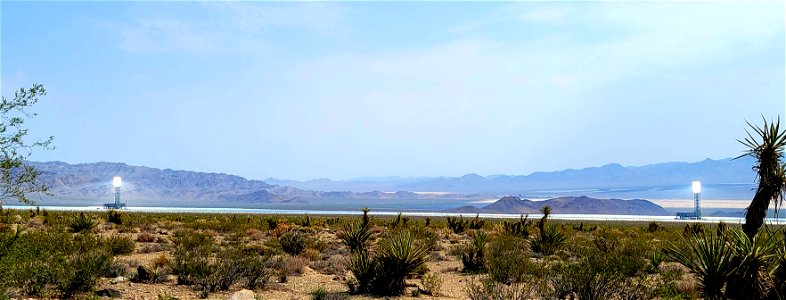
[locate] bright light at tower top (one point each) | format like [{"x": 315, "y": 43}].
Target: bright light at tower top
[
  {"x": 696, "y": 187},
  {"x": 116, "y": 181}
]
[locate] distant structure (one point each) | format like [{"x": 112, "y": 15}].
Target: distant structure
[
  {"x": 116, "y": 182},
  {"x": 696, "y": 214}
]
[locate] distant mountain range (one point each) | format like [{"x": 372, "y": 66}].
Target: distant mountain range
[
  {"x": 610, "y": 177},
  {"x": 90, "y": 184},
  {"x": 568, "y": 205}
]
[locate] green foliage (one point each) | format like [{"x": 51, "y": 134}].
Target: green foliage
[
  {"x": 653, "y": 227},
  {"x": 82, "y": 223},
  {"x": 488, "y": 289},
  {"x": 598, "y": 274},
  {"x": 356, "y": 236},
  {"x": 432, "y": 283},
  {"x": 197, "y": 261},
  {"x": 272, "y": 223},
  {"x": 115, "y": 217},
  {"x": 364, "y": 268},
  {"x": 18, "y": 180},
  {"x": 292, "y": 242},
  {"x": 459, "y": 225},
  {"x": 508, "y": 260},
  {"x": 520, "y": 228},
  {"x": 767, "y": 147},
  {"x": 119, "y": 244},
  {"x": 753, "y": 261},
  {"x": 549, "y": 241},
  {"x": 47, "y": 264},
  {"x": 398, "y": 256},
  {"x": 709, "y": 258},
  {"x": 473, "y": 258}
]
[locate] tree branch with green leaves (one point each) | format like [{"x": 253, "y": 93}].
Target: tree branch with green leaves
[{"x": 18, "y": 180}]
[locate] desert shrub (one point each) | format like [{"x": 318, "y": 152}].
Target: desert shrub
[
  {"x": 292, "y": 242},
  {"x": 602, "y": 275},
  {"x": 364, "y": 268},
  {"x": 457, "y": 225},
  {"x": 753, "y": 260},
  {"x": 191, "y": 256},
  {"x": 198, "y": 262},
  {"x": 488, "y": 289},
  {"x": 708, "y": 257},
  {"x": 89, "y": 261},
  {"x": 119, "y": 244},
  {"x": 426, "y": 237},
  {"x": 693, "y": 229},
  {"x": 312, "y": 255},
  {"x": 82, "y": 223},
  {"x": 146, "y": 237},
  {"x": 44, "y": 263},
  {"x": 473, "y": 257},
  {"x": 305, "y": 221},
  {"x": 507, "y": 260},
  {"x": 477, "y": 223},
  {"x": 653, "y": 227},
  {"x": 294, "y": 265},
  {"x": 115, "y": 217},
  {"x": 548, "y": 241},
  {"x": 398, "y": 255},
  {"x": 356, "y": 236},
  {"x": 272, "y": 223},
  {"x": 431, "y": 284},
  {"x": 319, "y": 294},
  {"x": 520, "y": 228},
  {"x": 256, "y": 273}
]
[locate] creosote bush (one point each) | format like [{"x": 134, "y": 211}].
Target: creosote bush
[
  {"x": 292, "y": 242},
  {"x": 44, "y": 264},
  {"x": 119, "y": 244},
  {"x": 199, "y": 262}
]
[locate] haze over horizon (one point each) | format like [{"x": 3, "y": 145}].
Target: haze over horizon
[{"x": 342, "y": 90}]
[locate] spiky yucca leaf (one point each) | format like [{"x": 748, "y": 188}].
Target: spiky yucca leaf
[{"x": 709, "y": 258}]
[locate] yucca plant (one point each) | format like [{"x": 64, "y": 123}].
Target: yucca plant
[
  {"x": 474, "y": 258},
  {"x": 399, "y": 256},
  {"x": 767, "y": 147},
  {"x": 754, "y": 261},
  {"x": 364, "y": 268},
  {"x": 549, "y": 241},
  {"x": 709, "y": 258},
  {"x": 356, "y": 236},
  {"x": 82, "y": 223}
]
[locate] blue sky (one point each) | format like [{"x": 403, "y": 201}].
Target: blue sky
[{"x": 306, "y": 90}]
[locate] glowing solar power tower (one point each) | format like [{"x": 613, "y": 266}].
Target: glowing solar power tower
[
  {"x": 696, "y": 187},
  {"x": 116, "y": 182}
]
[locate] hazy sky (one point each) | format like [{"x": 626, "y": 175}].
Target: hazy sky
[{"x": 349, "y": 89}]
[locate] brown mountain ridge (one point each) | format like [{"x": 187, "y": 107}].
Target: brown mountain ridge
[{"x": 568, "y": 205}]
